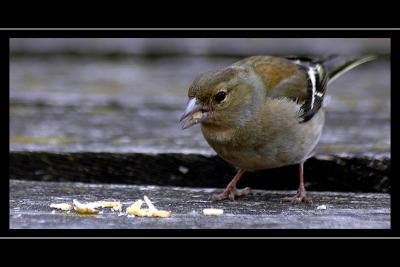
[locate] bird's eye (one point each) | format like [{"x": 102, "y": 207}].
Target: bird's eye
[{"x": 220, "y": 96}]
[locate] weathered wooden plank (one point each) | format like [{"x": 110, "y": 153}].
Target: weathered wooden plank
[
  {"x": 324, "y": 173},
  {"x": 30, "y": 208}
]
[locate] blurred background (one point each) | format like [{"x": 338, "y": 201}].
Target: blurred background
[{"x": 126, "y": 95}]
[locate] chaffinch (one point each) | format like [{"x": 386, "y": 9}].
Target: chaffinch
[{"x": 264, "y": 112}]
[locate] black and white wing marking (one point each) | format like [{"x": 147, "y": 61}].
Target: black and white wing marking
[{"x": 317, "y": 81}]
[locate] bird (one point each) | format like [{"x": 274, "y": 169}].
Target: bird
[{"x": 265, "y": 112}]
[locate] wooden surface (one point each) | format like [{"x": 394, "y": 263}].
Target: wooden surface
[{"x": 30, "y": 208}]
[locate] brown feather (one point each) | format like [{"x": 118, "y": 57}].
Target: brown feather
[{"x": 281, "y": 77}]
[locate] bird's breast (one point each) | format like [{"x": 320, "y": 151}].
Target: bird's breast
[
  {"x": 238, "y": 147},
  {"x": 263, "y": 145}
]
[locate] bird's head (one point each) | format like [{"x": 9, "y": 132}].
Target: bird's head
[{"x": 220, "y": 98}]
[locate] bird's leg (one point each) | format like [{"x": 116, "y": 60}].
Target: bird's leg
[
  {"x": 301, "y": 192},
  {"x": 231, "y": 191}
]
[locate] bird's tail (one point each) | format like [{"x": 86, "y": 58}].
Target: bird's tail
[{"x": 338, "y": 65}]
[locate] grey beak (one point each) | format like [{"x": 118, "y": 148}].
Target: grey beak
[{"x": 193, "y": 107}]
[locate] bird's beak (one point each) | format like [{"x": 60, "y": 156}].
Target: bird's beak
[{"x": 194, "y": 113}]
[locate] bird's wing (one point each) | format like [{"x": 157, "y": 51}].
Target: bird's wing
[
  {"x": 303, "y": 80},
  {"x": 317, "y": 82}
]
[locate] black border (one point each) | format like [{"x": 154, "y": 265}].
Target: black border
[
  {"x": 4, "y": 74},
  {"x": 394, "y": 142},
  {"x": 199, "y": 33},
  {"x": 190, "y": 33}
]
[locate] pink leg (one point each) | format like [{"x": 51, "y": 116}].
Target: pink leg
[
  {"x": 231, "y": 191},
  {"x": 301, "y": 192}
]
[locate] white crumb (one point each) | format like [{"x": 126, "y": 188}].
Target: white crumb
[
  {"x": 197, "y": 115},
  {"x": 183, "y": 170},
  {"x": 213, "y": 212}
]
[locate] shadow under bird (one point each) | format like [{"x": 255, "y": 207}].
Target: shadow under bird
[{"x": 264, "y": 112}]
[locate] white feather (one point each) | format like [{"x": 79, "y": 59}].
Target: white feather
[{"x": 311, "y": 73}]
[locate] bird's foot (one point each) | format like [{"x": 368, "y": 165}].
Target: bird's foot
[
  {"x": 298, "y": 198},
  {"x": 231, "y": 193}
]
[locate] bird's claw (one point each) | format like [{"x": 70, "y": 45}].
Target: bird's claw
[
  {"x": 230, "y": 193},
  {"x": 300, "y": 197}
]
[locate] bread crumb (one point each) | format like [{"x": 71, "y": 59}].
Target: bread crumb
[
  {"x": 135, "y": 209},
  {"x": 321, "y": 207},
  {"x": 213, "y": 212},
  {"x": 183, "y": 169},
  {"x": 152, "y": 211},
  {"x": 89, "y": 208},
  {"x": 197, "y": 115},
  {"x": 132, "y": 211},
  {"x": 149, "y": 204}
]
